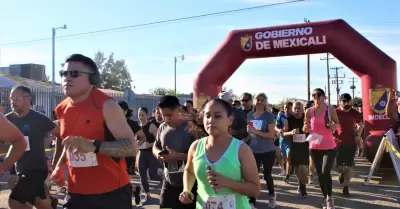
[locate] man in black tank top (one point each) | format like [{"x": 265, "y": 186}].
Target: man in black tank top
[{"x": 299, "y": 147}]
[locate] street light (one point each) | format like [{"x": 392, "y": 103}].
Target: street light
[
  {"x": 182, "y": 57},
  {"x": 53, "y": 82},
  {"x": 308, "y": 70}
]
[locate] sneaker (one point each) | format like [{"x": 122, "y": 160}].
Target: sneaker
[
  {"x": 298, "y": 190},
  {"x": 303, "y": 190},
  {"x": 136, "y": 194},
  {"x": 287, "y": 179},
  {"x": 330, "y": 203},
  {"x": 283, "y": 172},
  {"x": 341, "y": 178},
  {"x": 272, "y": 201},
  {"x": 345, "y": 191}
]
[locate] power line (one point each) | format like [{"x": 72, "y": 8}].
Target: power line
[{"x": 154, "y": 23}]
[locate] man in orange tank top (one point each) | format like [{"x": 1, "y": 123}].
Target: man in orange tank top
[{"x": 96, "y": 138}]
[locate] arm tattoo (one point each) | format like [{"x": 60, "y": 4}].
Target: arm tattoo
[{"x": 118, "y": 148}]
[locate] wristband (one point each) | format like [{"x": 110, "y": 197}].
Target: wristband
[{"x": 97, "y": 144}]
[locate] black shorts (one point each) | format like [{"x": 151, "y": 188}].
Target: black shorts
[
  {"x": 169, "y": 197},
  {"x": 346, "y": 154},
  {"x": 118, "y": 199},
  {"x": 299, "y": 154},
  {"x": 30, "y": 186}
]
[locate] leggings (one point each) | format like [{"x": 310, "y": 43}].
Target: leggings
[
  {"x": 267, "y": 159},
  {"x": 323, "y": 162},
  {"x": 147, "y": 162}
]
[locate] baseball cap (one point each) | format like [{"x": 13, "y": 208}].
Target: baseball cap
[
  {"x": 225, "y": 96},
  {"x": 345, "y": 97}
]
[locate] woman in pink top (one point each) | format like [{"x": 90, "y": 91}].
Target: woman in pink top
[{"x": 321, "y": 120}]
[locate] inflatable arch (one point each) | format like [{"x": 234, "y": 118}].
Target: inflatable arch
[{"x": 376, "y": 69}]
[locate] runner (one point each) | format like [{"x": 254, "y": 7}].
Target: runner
[
  {"x": 284, "y": 146},
  {"x": 298, "y": 157},
  {"x": 247, "y": 103},
  {"x": 321, "y": 120},
  {"x": 157, "y": 119},
  {"x": 171, "y": 147},
  {"x": 96, "y": 137},
  {"x": 262, "y": 134},
  {"x": 148, "y": 165},
  {"x": 31, "y": 168},
  {"x": 220, "y": 151},
  {"x": 347, "y": 136}
]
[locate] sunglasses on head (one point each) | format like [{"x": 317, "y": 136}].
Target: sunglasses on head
[
  {"x": 72, "y": 73},
  {"x": 317, "y": 94}
]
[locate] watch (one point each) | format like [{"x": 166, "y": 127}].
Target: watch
[{"x": 97, "y": 144}]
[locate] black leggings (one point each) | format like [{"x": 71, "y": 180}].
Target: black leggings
[
  {"x": 267, "y": 159},
  {"x": 323, "y": 162}
]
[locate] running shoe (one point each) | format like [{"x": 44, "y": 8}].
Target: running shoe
[
  {"x": 272, "y": 201},
  {"x": 287, "y": 179},
  {"x": 330, "y": 203},
  {"x": 345, "y": 191},
  {"x": 283, "y": 173},
  {"x": 303, "y": 190}
]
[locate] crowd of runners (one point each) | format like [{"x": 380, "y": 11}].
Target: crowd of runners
[{"x": 208, "y": 158}]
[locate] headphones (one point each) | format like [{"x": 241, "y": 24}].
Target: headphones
[{"x": 94, "y": 78}]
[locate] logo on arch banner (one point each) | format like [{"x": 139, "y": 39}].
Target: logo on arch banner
[
  {"x": 246, "y": 42},
  {"x": 378, "y": 99}
]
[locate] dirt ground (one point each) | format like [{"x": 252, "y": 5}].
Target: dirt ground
[{"x": 363, "y": 197}]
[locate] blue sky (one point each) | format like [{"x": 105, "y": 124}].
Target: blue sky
[{"x": 149, "y": 51}]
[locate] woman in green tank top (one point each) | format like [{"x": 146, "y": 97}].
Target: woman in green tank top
[{"x": 224, "y": 167}]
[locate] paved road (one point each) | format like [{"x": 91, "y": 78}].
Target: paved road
[{"x": 363, "y": 197}]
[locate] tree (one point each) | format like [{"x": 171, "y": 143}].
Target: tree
[
  {"x": 357, "y": 101},
  {"x": 162, "y": 91},
  {"x": 230, "y": 91},
  {"x": 114, "y": 73}
]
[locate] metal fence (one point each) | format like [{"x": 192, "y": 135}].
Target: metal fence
[{"x": 41, "y": 100}]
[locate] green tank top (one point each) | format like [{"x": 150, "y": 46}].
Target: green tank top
[{"x": 228, "y": 165}]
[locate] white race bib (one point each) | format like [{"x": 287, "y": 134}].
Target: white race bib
[
  {"x": 220, "y": 202},
  {"x": 299, "y": 138},
  {"x": 82, "y": 160},
  {"x": 314, "y": 138},
  {"x": 257, "y": 124},
  {"x": 28, "y": 146}
]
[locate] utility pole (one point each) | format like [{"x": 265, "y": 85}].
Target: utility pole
[
  {"x": 327, "y": 58},
  {"x": 337, "y": 82},
  {"x": 352, "y": 87},
  {"x": 175, "y": 61},
  {"x": 308, "y": 71}
]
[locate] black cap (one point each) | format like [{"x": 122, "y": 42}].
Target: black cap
[
  {"x": 123, "y": 105},
  {"x": 345, "y": 97}
]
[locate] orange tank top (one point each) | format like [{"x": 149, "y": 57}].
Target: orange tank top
[{"x": 86, "y": 119}]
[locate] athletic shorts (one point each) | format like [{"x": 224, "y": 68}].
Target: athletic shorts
[
  {"x": 169, "y": 197},
  {"x": 346, "y": 154},
  {"x": 118, "y": 199},
  {"x": 30, "y": 186},
  {"x": 300, "y": 154},
  {"x": 285, "y": 147}
]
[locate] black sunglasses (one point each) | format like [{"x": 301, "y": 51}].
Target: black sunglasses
[
  {"x": 72, "y": 73},
  {"x": 316, "y": 95},
  {"x": 245, "y": 100}
]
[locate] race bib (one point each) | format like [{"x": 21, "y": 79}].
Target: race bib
[
  {"x": 82, "y": 160},
  {"x": 299, "y": 138},
  {"x": 257, "y": 124},
  {"x": 220, "y": 202},
  {"x": 28, "y": 146},
  {"x": 314, "y": 138}
]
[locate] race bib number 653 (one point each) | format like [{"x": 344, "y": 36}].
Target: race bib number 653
[
  {"x": 82, "y": 160},
  {"x": 220, "y": 202}
]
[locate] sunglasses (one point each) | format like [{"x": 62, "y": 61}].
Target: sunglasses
[
  {"x": 72, "y": 73},
  {"x": 316, "y": 95},
  {"x": 245, "y": 100}
]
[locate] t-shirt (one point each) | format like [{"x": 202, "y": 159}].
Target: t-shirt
[
  {"x": 178, "y": 139},
  {"x": 259, "y": 144},
  {"x": 35, "y": 127},
  {"x": 347, "y": 125},
  {"x": 239, "y": 124},
  {"x": 280, "y": 121}
]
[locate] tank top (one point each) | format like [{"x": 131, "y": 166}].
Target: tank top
[
  {"x": 294, "y": 123},
  {"x": 228, "y": 165},
  {"x": 86, "y": 119},
  {"x": 318, "y": 127}
]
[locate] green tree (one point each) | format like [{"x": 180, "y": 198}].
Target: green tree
[
  {"x": 357, "y": 101},
  {"x": 162, "y": 91},
  {"x": 114, "y": 73}
]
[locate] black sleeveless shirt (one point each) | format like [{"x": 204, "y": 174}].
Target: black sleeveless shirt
[{"x": 294, "y": 123}]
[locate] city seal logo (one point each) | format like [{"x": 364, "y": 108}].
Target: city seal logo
[
  {"x": 246, "y": 42},
  {"x": 378, "y": 99}
]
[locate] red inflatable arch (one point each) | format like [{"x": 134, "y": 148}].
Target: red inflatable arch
[{"x": 376, "y": 69}]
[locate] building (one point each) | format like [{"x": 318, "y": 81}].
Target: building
[
  {"x": 30, "y": 71},
  {"x": 5, "y": 70}
]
